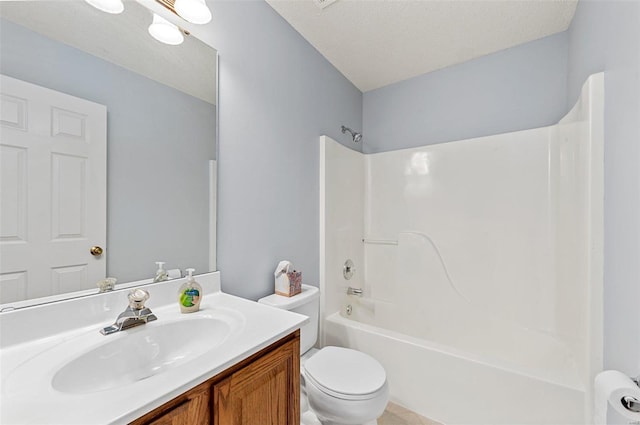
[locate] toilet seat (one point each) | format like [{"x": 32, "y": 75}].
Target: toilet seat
[{"x": 345, "y": 373}]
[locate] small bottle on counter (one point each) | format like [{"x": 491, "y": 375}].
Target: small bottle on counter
[
  {"x": 190, "y": 294},
  {"x": 161, "y": 273}
]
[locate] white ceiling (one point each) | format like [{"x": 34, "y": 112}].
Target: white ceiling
[
  {"x": 121, "y": 39},
  {"x": 379, "y": 42}
]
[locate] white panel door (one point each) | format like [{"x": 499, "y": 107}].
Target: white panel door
[{"x": 53, "y": 203}]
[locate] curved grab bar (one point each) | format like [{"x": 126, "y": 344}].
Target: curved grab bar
[
  {"x": 432, "y": 243},
  {"x": 444, "y": 266}
]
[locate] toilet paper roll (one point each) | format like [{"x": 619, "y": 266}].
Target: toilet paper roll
[{"x": 610, "y": 387}]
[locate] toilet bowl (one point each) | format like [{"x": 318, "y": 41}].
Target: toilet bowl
[
  {"x": 340, "y": 385},
  {"x": 344, "y": 386}
]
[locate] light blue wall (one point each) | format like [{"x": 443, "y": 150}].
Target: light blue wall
[
  {"x": 277, "y": 96},
  {"x": 605, "y": 36},
  {"x": 515, "y": 89},
  {"x": 157, "y": 175}
]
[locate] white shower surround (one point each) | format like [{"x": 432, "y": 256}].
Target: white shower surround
[{"x": 483, "y": 301}]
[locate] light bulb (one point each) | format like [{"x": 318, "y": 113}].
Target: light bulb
[
  {"x": 194, "y": 11},
  {"x": 109, "y": 6},
  {"x": 164, "y": 31}
]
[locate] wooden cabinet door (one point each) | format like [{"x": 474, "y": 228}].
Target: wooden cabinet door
[
  {"x": 265, "y": 392},
  {"x": 192, "y": 408}
]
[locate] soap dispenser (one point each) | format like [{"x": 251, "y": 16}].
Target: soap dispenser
[
  {"x": 190, "y": 294},
  {"x": 161, "y": 273}
]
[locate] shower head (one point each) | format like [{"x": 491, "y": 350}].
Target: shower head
[{"x": 355, "y": 136}]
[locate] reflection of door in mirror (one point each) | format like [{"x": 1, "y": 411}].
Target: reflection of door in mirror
[{"x": 53, "y": 199}]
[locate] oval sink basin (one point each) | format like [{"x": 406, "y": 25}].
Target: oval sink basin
[{"x": 137, "y": 354}]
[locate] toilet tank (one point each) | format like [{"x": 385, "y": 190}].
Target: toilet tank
[{"x": 308, "y": 303}]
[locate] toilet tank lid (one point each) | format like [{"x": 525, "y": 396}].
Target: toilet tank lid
[{"x": 308, "y": 293}]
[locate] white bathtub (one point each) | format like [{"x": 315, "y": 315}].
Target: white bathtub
[
  {"x": 480, "y": 261},
  {"x": 454, "y": 387}
]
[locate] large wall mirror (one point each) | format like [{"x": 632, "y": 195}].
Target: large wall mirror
[{"x": 74, "y": 79}]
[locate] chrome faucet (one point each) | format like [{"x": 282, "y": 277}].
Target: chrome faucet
[
  {"x": 134, "y": 315},
  {"x": 354, "y": 291}
]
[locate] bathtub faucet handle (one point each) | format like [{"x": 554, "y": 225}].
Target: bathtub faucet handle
[{"x": 354, "y": 291}]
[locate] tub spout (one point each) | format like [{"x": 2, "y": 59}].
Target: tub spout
[{"x": 354, "y": 291}]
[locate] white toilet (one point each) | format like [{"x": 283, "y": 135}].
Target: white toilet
[{"x": 343, "y": 386}]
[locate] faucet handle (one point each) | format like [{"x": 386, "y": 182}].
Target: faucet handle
[{"x": 137, "y": 298}]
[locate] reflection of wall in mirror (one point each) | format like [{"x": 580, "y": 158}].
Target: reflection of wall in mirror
[{"x": 159, "y": 143}]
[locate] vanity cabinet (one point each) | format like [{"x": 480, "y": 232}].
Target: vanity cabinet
[
  {"x": 193, "y": 408},
  {"x": 262, "y": 390}
]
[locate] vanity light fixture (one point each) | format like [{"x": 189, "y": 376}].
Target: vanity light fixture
[
  {"x": 109, "y": 6},
  {"x": 194, "y": 11},
  {"x": 164, "y": 31}
]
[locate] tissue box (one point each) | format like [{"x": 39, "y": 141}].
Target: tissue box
[{"x": 289, "y": 284}]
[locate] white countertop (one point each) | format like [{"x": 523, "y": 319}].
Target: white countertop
[{"x": 29, "y": 398}]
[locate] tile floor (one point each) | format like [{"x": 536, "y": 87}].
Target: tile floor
[
  {"x": 393, "y": 415},
  {"x": 398, "y": 415}
]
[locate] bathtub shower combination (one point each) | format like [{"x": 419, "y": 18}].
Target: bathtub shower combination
[{"x": 480, "y": 264}]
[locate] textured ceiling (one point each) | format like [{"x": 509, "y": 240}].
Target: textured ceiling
[
  {"x": 378, "y": 42},
  {"x": 121, "y": 39}
]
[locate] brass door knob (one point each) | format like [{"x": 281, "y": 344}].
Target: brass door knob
[{"x": 96, "y": 251}]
